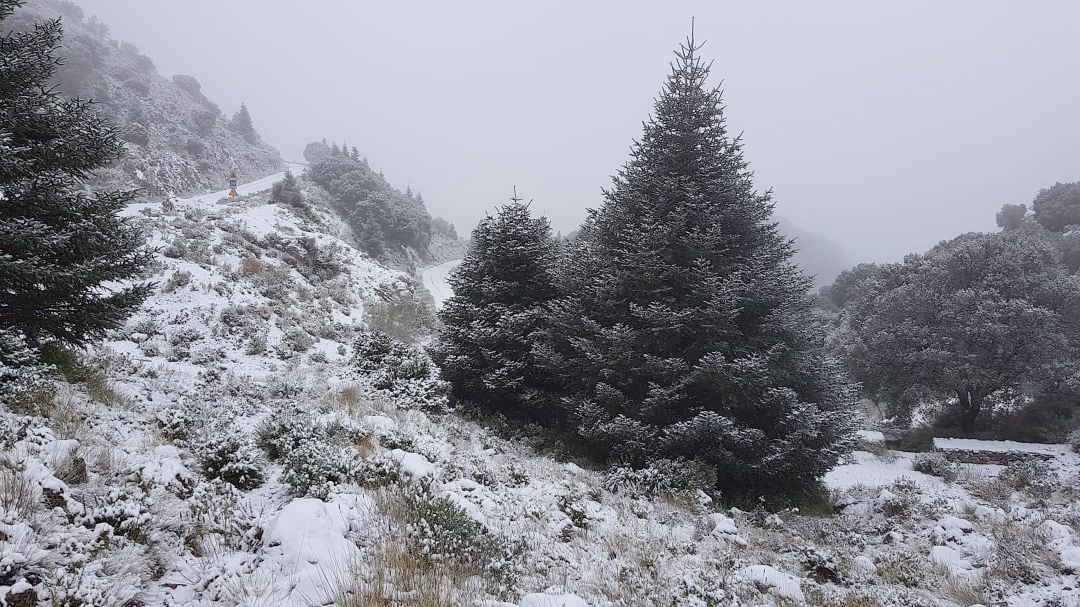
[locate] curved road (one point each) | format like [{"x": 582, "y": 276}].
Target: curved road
[{"x": 434, "y": 279}]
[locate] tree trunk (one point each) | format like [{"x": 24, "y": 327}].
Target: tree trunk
[{"x": 970, "y": 406}]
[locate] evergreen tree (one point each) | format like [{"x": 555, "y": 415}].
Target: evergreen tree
[
  {"x": 287, "y": 192},
  {"x": 686, "y": 331},
  {"x": 241, "y": 123},
  {"x": 491, "y": 324},
  {"x": 60, "y": 245},
  {"x": 355, "y": 154}
]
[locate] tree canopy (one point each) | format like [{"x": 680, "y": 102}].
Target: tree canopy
[
  {"x": 684, "y": 329},
  {"x": 494, "y": 320},
  {"x": 64, "y": 253},
  {"x": 973, "y": 316}
]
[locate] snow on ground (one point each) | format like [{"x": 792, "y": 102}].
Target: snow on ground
[
  {"x": 435, "y": 280},
  {"x": 237, "y": 455},
  {"x": 1001, "y": 446}
]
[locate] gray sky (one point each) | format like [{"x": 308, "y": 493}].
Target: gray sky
[{"x": 885, "y": 125}]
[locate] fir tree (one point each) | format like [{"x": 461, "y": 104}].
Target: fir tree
[
  {"x": 491, "y": 324},
  {"x": 287, "y": 192},
  {"x": 241, "y": 123},
  {"x": 60, "y": 245},
  {"x": 686, "y": 331}
]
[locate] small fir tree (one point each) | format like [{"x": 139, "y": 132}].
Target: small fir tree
[
  {"x": 287, "y": 192},
  {"x": 63, "y": 250},
  {"x": 241, "y": 123},
  {"x": 491, "y": 324}
]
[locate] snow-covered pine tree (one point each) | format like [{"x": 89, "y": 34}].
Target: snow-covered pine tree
[
  {"x": 241, "y": 123},
  {"x": 287, "y": 191},
  {"x": 60, "y": 245},
  {"x": 491, "y": 324},
  {"x": 686, "y": 331}
]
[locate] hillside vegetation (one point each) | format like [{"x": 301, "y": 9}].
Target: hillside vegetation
[
  {"x": 239, "y": 401},
  {"x": 175, "y": 139}
]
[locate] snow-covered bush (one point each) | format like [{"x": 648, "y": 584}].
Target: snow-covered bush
[
  {"x": 445, "y": 533},
  {"x": 181, "y": 340},
  {"x": 313, "y": 468},
  {"x": 218, "y": 515},
  {"x": 1034, "y": 476},
  {"x": 297, "y": 340},
  {"x": 902, "y": 567},
  {"x": 935, "y": 464},
  {"x": 900, "y": 498},
  {"x": 377, "y": 471},
  {"x": 662, "y": 477},
  {"x": 375, "y": 350},
  {"x": 403, "y": 372},
  {"x": 1020, "y": 553},
  {"x": 125, "y": 510},
  {"x": 176, "y": 423},
  {"x": 177, "y": 280},
  {"x": 28, "y": 390},
  {"x": 19, "y": 494},
  {"x": 232, "y": 458},
  {"x": 287, "y": 426},
  {"x": 822, "y": 564},
  {"x": 12, "y": 430}
]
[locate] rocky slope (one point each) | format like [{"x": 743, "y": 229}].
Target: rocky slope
[{"x": 176, "y": 139}]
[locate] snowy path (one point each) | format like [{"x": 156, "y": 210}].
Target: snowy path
[
  {"x": 434, "y": 279},
  {"x": 244, "y": 189}
]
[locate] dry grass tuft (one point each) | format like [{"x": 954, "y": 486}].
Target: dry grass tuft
[
  {"x": 968, "y": 592},
  {"x": 394, "y": 577},
  {"x": 251, "y": 266},
  {"x": 18, "y": 492},
  {"x": 66, "y": 420}
]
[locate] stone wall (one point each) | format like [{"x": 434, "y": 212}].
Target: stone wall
[{"x": 1001, "y": 458}]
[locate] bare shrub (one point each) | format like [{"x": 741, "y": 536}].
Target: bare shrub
[
  {"x": 250, "y": 266},
  {"x": 404, "y": 319},
  {"x": 176, "y": 281},
  {"x": 1020, "y": 553}
]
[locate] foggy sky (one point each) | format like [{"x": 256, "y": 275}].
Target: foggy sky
[{"x": 885, "y": 125}]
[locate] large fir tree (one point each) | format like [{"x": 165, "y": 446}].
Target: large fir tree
[
  {"x": 63, "y": 250},
  {"x": 493, "y": 320},
  {"x": 686, "y": 331}
]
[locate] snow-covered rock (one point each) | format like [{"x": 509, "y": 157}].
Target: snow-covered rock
[
  {"x": 782, "y": 584},
  {"x": 552, "y": 600},
  {"x": 413, "y": 464}
]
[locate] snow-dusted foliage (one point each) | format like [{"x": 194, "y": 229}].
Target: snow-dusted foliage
[
  {"x": 64, "y": 255},
  {"x": 495, "y": 319},
  {"x": 684, "y": 329},
  {"x": 979, "y": 316},
  {"x": 390, "y": 225},
  {"x": 138, "y": 485}
]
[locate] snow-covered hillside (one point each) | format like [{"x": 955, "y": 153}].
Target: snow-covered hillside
[
  {"x": 242, "y": 441},
  {"x": 175, "y": 139}
]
